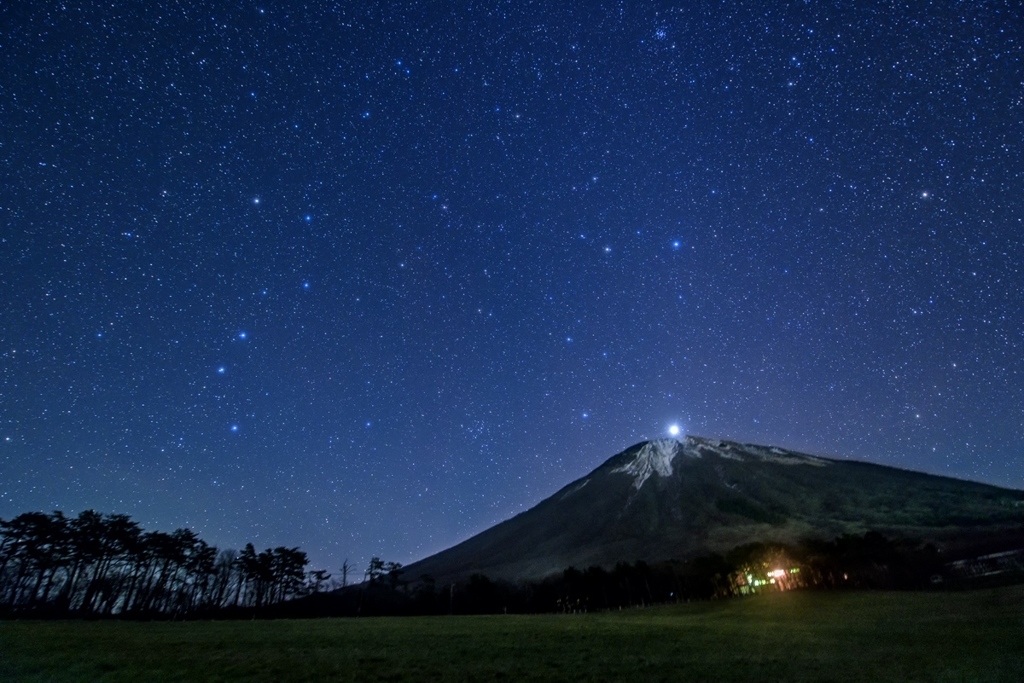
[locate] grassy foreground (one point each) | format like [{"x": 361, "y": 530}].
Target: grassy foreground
[{"x": 798, "y": 636}]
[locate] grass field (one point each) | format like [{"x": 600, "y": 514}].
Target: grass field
[{"x": 797, "y": 636}]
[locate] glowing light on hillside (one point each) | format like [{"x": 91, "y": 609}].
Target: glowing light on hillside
[{"x": 673, "y": 430}]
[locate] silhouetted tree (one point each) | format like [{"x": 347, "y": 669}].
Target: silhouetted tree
[
  {"x": 98, "y": 564},
  {"x": 375, "y": 570},
  {"x": 393, "y": 570},
  {"x": 345, "y": 569},
  {"x": 316, "y": 579}
]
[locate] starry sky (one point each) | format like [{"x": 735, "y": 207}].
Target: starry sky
[{"x": 369, "y": 277}]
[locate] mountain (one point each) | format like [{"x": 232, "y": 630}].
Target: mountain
[{"x": 670, "y": 499}]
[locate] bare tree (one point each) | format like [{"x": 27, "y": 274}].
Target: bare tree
[{"x": 345, "y": 569}]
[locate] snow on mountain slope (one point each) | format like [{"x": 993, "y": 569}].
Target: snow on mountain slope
[
  {"x": 655, "y": 457},
  {"x": 698, "y": 446}
]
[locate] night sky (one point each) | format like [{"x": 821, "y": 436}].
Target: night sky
[{"x": 369, "y": 277}]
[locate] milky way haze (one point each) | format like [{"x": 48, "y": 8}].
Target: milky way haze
[{"x": 367, "y": 277}]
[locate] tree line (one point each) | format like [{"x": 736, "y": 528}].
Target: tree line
[
  {"x": 97, "y": 565},
  {"x": 851, "y": 561},
  {"x": 107, "y": 565}
]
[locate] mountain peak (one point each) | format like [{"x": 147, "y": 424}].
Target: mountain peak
[
  {"x": 657, "y": 456},
  {"x": 654, "y": 457}
]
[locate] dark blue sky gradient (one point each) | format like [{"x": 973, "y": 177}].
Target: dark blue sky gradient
[{"x": 369, "y": 277}]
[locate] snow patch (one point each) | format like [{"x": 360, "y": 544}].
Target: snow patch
[
  {"x": 654, "y": 457},
  {"x": 724, "y": 450},
  {"x": 576, "y": 488},
  {"x": 795, "y": 459},
  {"x": 751, "y": 452}
]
